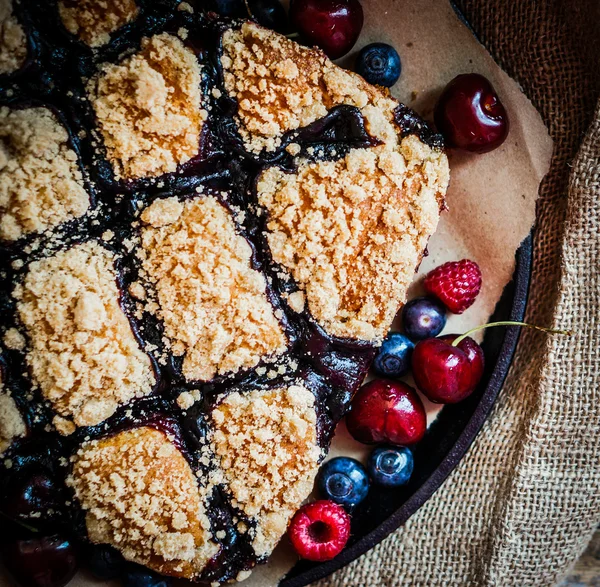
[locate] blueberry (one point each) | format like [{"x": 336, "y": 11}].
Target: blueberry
[
  {"x": 379, "y": 64},
  {"x": 423, "y": 318},
  {"x": 269, "y": 13},
  {"x": 137, "y": 576},
  {"x": 105, "y": 563},
  {"x": 344, "y": 481},
  {"x": 230, "y": 8},
  {"x": 393, "y": 358},
  {"x": 391, "y": 466}
]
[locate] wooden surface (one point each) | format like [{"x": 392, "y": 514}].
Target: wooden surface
[{"x": 587, "y": 570}]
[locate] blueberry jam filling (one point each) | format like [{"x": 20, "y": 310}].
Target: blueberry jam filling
[{"x": 35, "y": 496}]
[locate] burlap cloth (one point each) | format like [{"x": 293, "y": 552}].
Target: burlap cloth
[{"x": 525, "y": 501}]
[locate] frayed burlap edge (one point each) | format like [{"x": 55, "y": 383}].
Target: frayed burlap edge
[{"x": 523, "y": 504}]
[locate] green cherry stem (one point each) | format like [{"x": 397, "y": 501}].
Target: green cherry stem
[{"x": 458, "y": 340}]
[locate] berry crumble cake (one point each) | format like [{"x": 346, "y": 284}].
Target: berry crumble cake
[{"x": 206, "y": 231}]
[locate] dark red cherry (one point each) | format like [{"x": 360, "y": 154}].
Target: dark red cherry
[
  {"x": 387, "y": 411},
  {"x": 332, "y": 25},
  {"x": 447, "y": 374},
  {"x": 32, "y": 497},
  {"x": 49, "y": 561},
  {"x": 470, "y": 116}
]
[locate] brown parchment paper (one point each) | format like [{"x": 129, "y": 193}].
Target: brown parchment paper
[{"x": 491, "y": 198}]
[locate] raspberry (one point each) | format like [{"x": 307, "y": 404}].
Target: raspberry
[
  {"x": 319, "y": 530},
  {"x": 455, "y": 283}
]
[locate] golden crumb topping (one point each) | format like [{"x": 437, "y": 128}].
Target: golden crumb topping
[
  {"x": 41, "y": 185},
  {"x": 141, "y": 497},
  {"x": 83, "y": 353},
  {"x": 281, "y": 86},
  {"x": 212, "y": 302},
  {"x": 93, "y": 21},
  {"x": 148, "y": 108},
  {"x": 267, "y": 443},
  {"x": 12, "y": 424},
  {"x": 351, "y": 232},
  {"x": 13, "y": 44}
]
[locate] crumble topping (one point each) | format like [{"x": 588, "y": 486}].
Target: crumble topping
[
  {"x": 83, "y": 353},
  {"x": 212, "y": 302},
  {"x": 12, "y": 424},
  {"x": 93, "y": 21},
  {"x": 13, "y": 44},
  {"x": 141, "y": 496},
  {"x": 281, "y": 86},
  {"x": 14, "y": 340},
  {"x": 148, "y": 108},
  {"x": 267, "y": 443},
  {"x": 41, "y": 185},
  {"x": 351, "y": 232}
]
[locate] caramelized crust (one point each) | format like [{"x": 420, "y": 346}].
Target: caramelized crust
[
  {"x": 213, "y": 304},
  {"x": 13, "y": 45},
  {"x": 41, "y": 185},
  {"x": 141, "y": 497},
  {"x": 93, "y": 21},
  {"x": 148, "y": 108},
  {"x": 267, "y": 443},
  {"x": 83, "y": 353}
]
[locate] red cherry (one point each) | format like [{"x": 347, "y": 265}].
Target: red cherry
[
  {"x": 470, "y": 115},
  {"x": 319, "y": 530},
  {"x": 41, "y": 562},
  {"x": 332, "y": 25},
  {"x": 387, "y": 411},
  {"x": 447, "y": 374}
]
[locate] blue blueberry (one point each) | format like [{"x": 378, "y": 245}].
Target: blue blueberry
[
  {"x": 269, "y": 13},
  {"x": 137, "y": 576},
  {"x": 230, "y": 8},
  {"x": 423, "y": 318},
  {"x": 105, "y": 563},
  {"x": 344, "y": 481},
  {"x": 393, "y": 358},
  {"x": 391, "y": 466},
  {"x": 379, "y": 63}
]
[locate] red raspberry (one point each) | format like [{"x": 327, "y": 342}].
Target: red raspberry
[
  {"x": 319, "y": 530},
  {"x": 455, "y": 283}
]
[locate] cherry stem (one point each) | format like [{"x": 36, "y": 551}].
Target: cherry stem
[{"x": 458, "y": 340}]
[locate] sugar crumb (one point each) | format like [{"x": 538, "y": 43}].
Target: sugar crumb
[{"x": 14, "y": 340}]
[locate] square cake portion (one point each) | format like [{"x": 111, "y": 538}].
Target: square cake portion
[
  {"x": 149, "y": 108},
  {"x": 140, "y": 495},
  {"x": 82, "y": 352},
  {"x": 351, "y": 232},
  {"x": 266, "y": 443},
  {"x": 213, "y": 304},
  {"x": 41, "y": 184}
]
